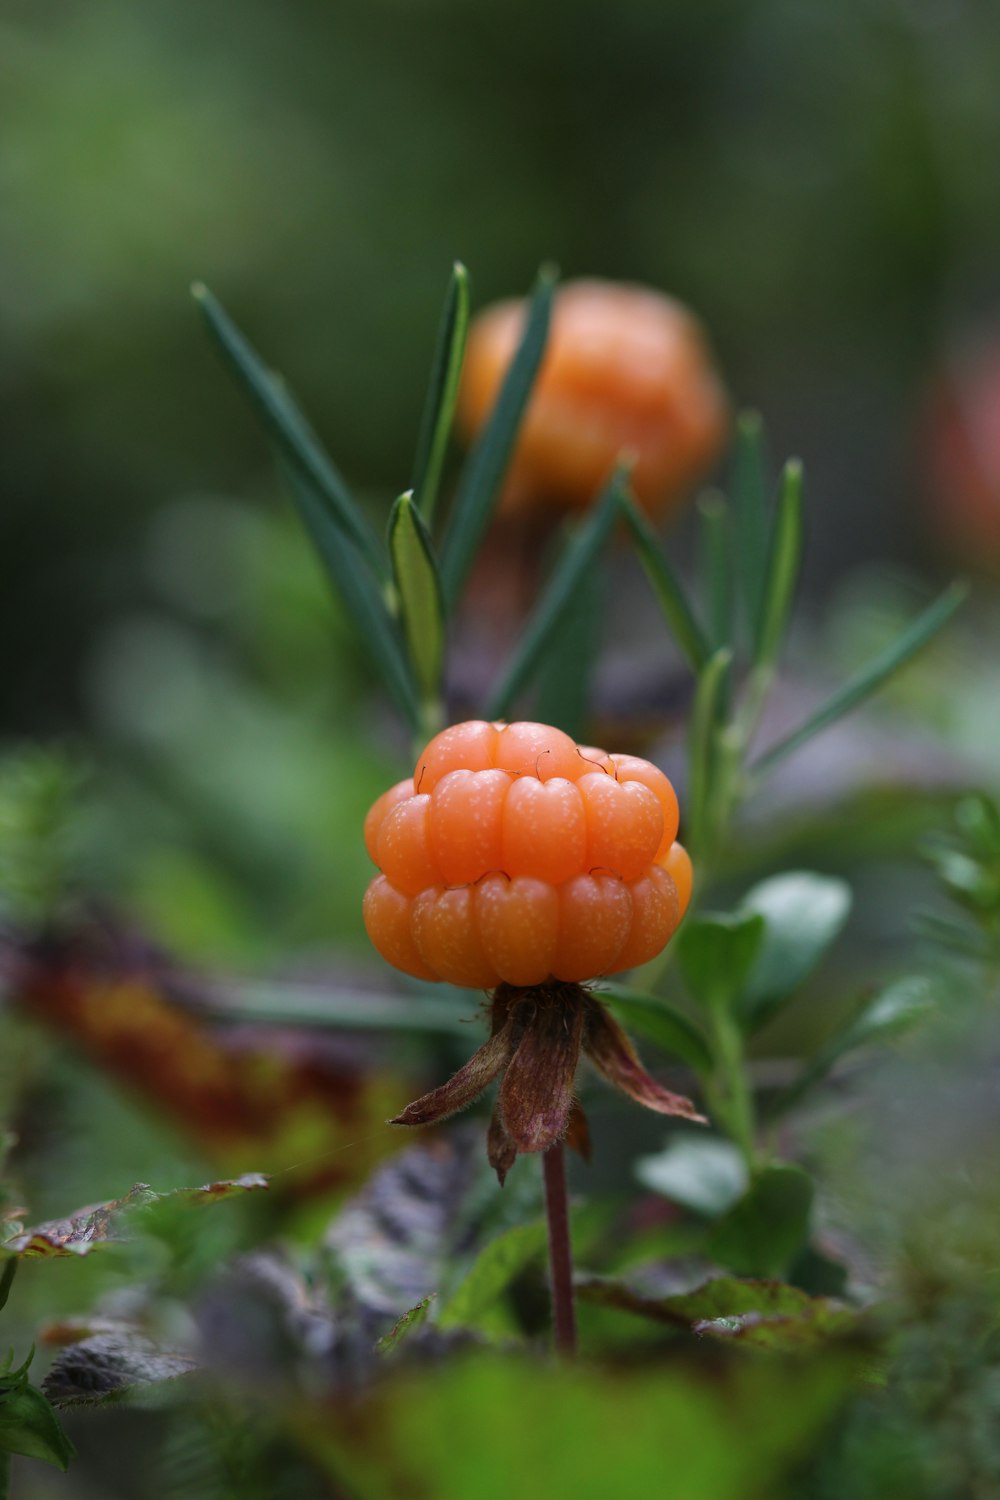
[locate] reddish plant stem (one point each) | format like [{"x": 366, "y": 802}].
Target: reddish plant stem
[{"x": 560, "y": 1252}]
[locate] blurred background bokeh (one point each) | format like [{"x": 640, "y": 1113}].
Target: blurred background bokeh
[{"x": 816, "y": 182}]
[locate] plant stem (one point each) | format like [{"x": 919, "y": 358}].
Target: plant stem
[{"x": 560, "y": 1252}]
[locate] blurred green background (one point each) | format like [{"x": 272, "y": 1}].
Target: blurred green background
[{"x": 817, "y": 181}]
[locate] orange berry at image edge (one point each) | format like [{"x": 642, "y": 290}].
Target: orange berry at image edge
[
  {"x": 626, "y": 369},
  {"x": 516, "y": 861}
]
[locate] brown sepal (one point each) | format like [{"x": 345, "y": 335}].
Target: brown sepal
[
  {"x": 536, "y": 1096},
  {"x": 611, "y": 1052},
  {"x": 578, "y": 1131},
  {"x": 500, "y": 1149},
  {"x": 465, "y": 1085}
]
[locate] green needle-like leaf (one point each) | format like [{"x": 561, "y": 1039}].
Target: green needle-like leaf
[
  {"x": 748, "y": 491},
  {"x": 871, "y": 677},
  {"x": 665, "y": 585},
  {"x": 484, "y": 471},
  {"x": 359, "y": 590},
  {"x": 6, "y": 1281},
  {"x": 717, "y": 564},
  {"x": 290, "y": 428},
  {"x": 579, "y": 556},
  {"x": 708, "y": 701},
  {"x": 783, "y": 563},
  {"x": 442, "y": 392},
  {"x": 414, "y": 571}
]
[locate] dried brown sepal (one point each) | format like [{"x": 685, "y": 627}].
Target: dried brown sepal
[
  {"x": 578, "y": 1131},
  {"x": 501, "y": 1151},
  {"x": 611, "y": 1052},
  {"x": 536, "y": 1096},
  {"x": 465, "y": 1085}
]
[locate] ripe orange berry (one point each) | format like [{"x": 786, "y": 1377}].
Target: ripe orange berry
[
  {"x": 513, "y": 855},
  {"x": 625, "y": 368}
]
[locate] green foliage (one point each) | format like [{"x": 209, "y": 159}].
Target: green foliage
[
  {"x": 483, "y": 473},
  {"x": 418, "y": 585},
  {"x": 491, "y": 1273},
  {"x": 803, "y": 914},
  {"x": 442, "y": 393},
  {"x": 716, "y": 953},
  {"x": 764, "y": 1231}
]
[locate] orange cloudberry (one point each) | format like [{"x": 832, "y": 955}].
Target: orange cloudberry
[
  {"x": 516, "y": 861},
  {"x": 626, "y": 368}
]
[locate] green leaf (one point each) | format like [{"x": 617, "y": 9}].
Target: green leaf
[
  {"x": 748, "y": 491},
  {"x": 7, "y": 1281},
  {"x": 492, "y": 1272},
  {"x": 308, "y": 1005},
  {"x": 405, "y": 1325},
  {"x": 566, "y": 670},
  {"x": 717, "y": 565},
  {"x": 716, "y": 952},
  {"x": 29, "y": 1426},
  {"x": 709, "y": 702},
  {"x": 578, "y": 558},
  {"x": 290, "y": 429},
  {"x": 360, "y": 592},
  {"x": 890, "y": 1013},
  {"x": 783, "y": 565},
  {"x": 495, "y": 1425},
  {"x": 415, "y": 573},
  {"x": 705, "y": 1174},
  {"x": 871, "y": 677},
  {"x": 659, "y": 1021},
  {"x": 666, "y": 586},
  {"x": 487, "y": 464},
  {"x": 803, "y": 913},
  {"x": 724, "y": 1298},
  {"x": 764, "y": 1231},
  {"x": 439, "y": 409}
]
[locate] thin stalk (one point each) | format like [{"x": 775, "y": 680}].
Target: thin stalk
[
  {"x": 560, "y": 1251},
  {"x": 734, "y": 1093}
]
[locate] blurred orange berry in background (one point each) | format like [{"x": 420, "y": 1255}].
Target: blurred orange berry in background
[
  {"x": 513, "y": 854},
  {"x": 626, "y": 368},
  {"x": 961, "y": 439}
]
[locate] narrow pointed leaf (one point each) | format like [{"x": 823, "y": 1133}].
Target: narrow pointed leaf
[
  {"x": 442, "y": 391},
  {"x": 414, "y": 571},
  {"x": 566, "y": 670},
  {"x": 748, "y": 492},
  {"x": 578, "y": 559},
  {"x": 871, "y": 677},
  {"x": 578, "y": 1132},
  {"x": 666, "y": 586},
  {"x": 783, "y": 565},
  {"x": 708, "y": 703},
  {"x": 717, "y": 564},
  {"x": 902, "y": 1004},
  {"x": 358, "y": 588},
  {"x": 485, "y": 469},
  {"x": 289, "y": 428},
  {"x": 659, "y": 1021},
  {"x": 7, "y": 1275}
]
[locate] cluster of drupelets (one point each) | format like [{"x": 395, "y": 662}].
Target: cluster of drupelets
[{"x": 515, "y": 855}]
